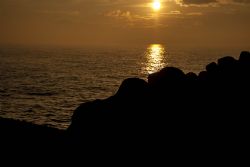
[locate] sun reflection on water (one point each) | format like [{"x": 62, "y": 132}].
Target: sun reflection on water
[{"x": 155, "y": 55}]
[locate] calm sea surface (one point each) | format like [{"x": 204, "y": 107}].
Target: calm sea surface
[{"x": 45, "y": 85}]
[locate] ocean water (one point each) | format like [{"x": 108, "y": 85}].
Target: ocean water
[{"x": 44, "y": 85}]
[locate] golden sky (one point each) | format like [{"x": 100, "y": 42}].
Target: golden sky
[{"x": 125, "y": 22}]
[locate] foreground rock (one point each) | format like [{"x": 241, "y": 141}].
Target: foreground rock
[
  {"x": 22, "y": 134},
  {"x": 172, "y": 107}
]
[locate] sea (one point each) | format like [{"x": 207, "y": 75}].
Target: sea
[{"x": 44, "y": 85}]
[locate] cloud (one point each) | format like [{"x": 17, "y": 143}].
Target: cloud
[
  {"x": 196, "y": 2},
  {"x": 119, "y": 14},
  {"x": 205, "y": 3},
  {"x": 60, "y": 12},
  {"x": 235, "y": 2},
  {"x": 138, "y": 21},
  {"x": 242, "y": 1},
  {"x": 194, "y": 14},
  {"x": 175, "y": 12}
]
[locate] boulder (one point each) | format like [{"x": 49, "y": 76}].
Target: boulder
[
  {"x": 227, "y": 63},
  {"x": 245, "y": 57},
  {"x": 168, "y": 75},
  {"x": 212, "y": 67},
  {"x": 132, "y": 88},
  {"x": 191, "y": 76}
]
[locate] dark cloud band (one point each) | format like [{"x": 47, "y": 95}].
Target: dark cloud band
[{"x": 188, "y": 2}]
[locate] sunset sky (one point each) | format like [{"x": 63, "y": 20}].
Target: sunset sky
[{"x": 125, "y": 22}]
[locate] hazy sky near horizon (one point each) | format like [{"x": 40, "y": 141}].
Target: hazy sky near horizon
[{"x": 132, "y": 22}]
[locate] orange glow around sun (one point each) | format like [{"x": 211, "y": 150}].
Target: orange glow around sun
[{"x": 156, "y": 5}]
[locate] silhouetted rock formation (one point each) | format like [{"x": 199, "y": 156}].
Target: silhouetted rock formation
[
  {"x": 168, "y": 75},
  {"x": 172, "y": 106},
  {"x": 22, "y": 129},
  {"x": 21, "y": 139}
]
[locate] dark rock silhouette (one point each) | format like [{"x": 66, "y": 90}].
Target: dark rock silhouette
[
  {"x": 168, "y": 75},
  {"x": 132, "y": 88},
  {"x": 191, "y": 76},
  {"x": 173, "y": 102},
  {"x": 244, "y": 58},
  {"x": 212, "y": 67},
  {"x": 19, "y": 137},
  {"x": 184, "y": 110}
]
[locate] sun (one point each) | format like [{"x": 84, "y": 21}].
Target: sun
[{"x": 156, "y": 5}]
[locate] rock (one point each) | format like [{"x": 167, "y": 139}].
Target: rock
[
  {"x": 191, "y": 76},
  {"x": 227, "y": 63},
  {"x": 245, "y": 57},
  {"x": 132, "y": 88},
  {"x": 169, "y": 98},
  {"x": 101, "y": 115},
  {"x": 191, "y": 82},
  {"x": 86, "y": 116},
  {"x": 244, "y": 61},
  {"x": 167, "y": 75},
  {"x": 203, "y": 75},
  {"x": 212, "y": 67},
  {"x": 23, "y": 134}
]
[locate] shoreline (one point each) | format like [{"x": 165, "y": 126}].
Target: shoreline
[{"x": 172, "y": 102}]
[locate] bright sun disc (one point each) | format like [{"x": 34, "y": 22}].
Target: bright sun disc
[{"x": 156, "y": 5}]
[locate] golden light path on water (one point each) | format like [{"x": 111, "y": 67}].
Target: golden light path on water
[{"x": 155, "y": 55}]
